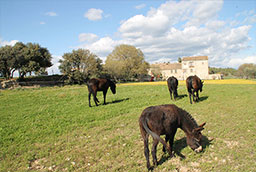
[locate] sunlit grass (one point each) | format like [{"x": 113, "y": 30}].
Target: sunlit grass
[{"x": 53, "y": 129}]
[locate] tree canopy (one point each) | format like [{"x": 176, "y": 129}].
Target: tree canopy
[
  {"x": 224, "y": 71},
  {"x": 24, "y": 59},
  {"x": 247, "y": 70},
  {"x": 79, "y": 65},
  {"x": 126, "y": 62}
]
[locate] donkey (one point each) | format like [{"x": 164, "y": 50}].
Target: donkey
[
  {"x": 194, "y": 84},
  {"x": 172, "y": 83},
  {"x": 99, "y": 84},
  {"x": 165, "y": 120}
]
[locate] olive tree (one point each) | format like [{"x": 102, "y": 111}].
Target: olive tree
[
  {"x": 79, "y": 65},
  {"x": 126, "y": 62}
]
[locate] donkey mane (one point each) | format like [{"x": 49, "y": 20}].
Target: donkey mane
[{"x": 189, "y": 118}]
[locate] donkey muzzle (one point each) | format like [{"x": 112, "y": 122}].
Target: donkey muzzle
[{"x": 199, "y": 149}]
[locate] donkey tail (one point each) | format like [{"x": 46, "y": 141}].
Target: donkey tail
[{"x": 155, "y": 136}]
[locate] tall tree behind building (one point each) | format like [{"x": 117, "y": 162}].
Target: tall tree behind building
[{"x": 126, "y": 62}]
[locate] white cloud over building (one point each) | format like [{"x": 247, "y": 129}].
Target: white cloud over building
[{"x": 178, "y": 29}]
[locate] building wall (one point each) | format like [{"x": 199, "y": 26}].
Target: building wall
[
  {"x": 196, "y": 67},
  {"x": 189, "y": 66},
  {"x": 172, "y": 72}
]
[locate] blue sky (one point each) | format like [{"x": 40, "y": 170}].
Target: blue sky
[{"x": 225, "y": 31}]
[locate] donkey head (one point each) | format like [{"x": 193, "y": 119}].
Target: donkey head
[
  {"x": 194, "y": 139},
  {"x": 201, "y": 87},
  {"x": 113, "y": 87}
]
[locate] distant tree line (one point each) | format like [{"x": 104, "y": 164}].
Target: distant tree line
[
  {"x": 124, "y": 63},
  {"x": 24, "y": 58},
  {"x": 246, "y": 71}
]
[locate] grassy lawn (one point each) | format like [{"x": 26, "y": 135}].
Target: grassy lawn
[{"x": 53, "y": 129}]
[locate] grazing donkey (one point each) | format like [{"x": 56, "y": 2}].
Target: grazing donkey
[
  {"x": 165, "y": 120},
  {"x": 99, "y": 84},
  {"x": 194, "y": 84},
  {"x": 172, "y": 83}
]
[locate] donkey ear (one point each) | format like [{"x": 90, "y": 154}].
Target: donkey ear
[
  {"x": 203, "y": 124},
  {"x": 196, "y": 130}
]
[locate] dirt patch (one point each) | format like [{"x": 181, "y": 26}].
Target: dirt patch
[
  {"x": 231, "y": 144},
  {"x": 37, "y": 164}
]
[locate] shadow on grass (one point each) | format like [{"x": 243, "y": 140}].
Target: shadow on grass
[
  {"x": 118, "y": 101},
  {"x": 113, "y": 102},
  {"x": 203, "y": 98},
  {"x": 179, "y": 145},
  {"x": 181, "y": 96},
  {"x": 200, "y": 99}
]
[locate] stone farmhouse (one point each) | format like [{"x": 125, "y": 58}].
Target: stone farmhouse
[{"x": 197, "y": 65}]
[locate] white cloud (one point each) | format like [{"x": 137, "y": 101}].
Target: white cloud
[
  {"x": 177, "y": 29},
  {"x": 153, "y": 25},
  {"x": 215, "y": 24},
  {"x": 51, "y": 14},
  {"x": 101, "y": 47},
  {"x": 87, "y": 37},
  {"x": 204, "y": 11},
  {"x": 138, "y": 7},
  {"x": 236, "y": 62},
  {"x": 199, "y": 32},
  {"x": 42, "y": 23},
  {"x": 94, "y": 14},
  {"x": 11, "y": 43},
  {"x": 54, "y": 69}
]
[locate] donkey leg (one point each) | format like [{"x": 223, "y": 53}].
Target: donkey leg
[
  {"x": 89, "y": 97},
  {"x": 197, "y": 96},
  {"x": 175, "y": 94},
  {"x": 170, "y": 93},
  {"x": 153, "y": 151},
  {"x": 167, "y": 137},
  {"x": 95, "y": 98},
  {"x": 190, "y": 98},
  {"x": 104, "y": 96},
  {"x": 193, "y": 94},
  {"x": 171, "y": 140},
  {"x": 145, "y": 136},
  {"x": 146, "y": 151}
]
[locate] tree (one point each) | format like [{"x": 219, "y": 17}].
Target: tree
[
  {"x": 6, "y": 61},
  {"x": 18, "y": 51},
  {"x": 179, "y": 60},
  {"x": 79, "y": 65},
  {"x": 224, "y": 71},
  {"x": 126, "y": 62},
  {"x": 36, "y": 58},
  {"x": 247, "y": 70},
  {"x": 24, "y": 58}
]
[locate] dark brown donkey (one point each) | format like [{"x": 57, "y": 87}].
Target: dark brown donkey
[
  {"x": 172, "y": 83},
  {"x": 194, "y": 84},
  {"x": 165, "y": 120},
  {"x": 99, "y": 84}
]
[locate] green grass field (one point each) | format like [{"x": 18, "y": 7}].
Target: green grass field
[{"x": 53, "y": 129}]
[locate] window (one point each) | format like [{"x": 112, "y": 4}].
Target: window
[
  {"x": 184, "y": 70},
  {"x": 191, "y": 63},
  {"x": 191, "y": 70},
  {"x": 175, "y": 70}
]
